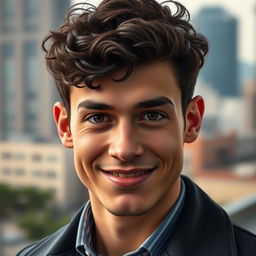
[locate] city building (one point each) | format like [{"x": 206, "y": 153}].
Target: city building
[
  {"x": 219, "y": 111},
  {"x": 249, "y": 97},
  {"x": 209, "y": 155},
  {"x": 43, "y": 166},
  {"x": 231, "y": 114},
  {"x": 212, "y": 108},
  {"x": 221, "y": 67},
  {"x": 27, "y": 91},
  {"x": 221, "y": 156}
]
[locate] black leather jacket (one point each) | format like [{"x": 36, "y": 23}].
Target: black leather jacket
[{"x": 202, "y": 229}]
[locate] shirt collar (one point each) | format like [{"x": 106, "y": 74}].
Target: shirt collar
[
  {"x": 85, "y": 231},
  {"x": 154, "y": 244},
  {"x": 157, "y": 241}
]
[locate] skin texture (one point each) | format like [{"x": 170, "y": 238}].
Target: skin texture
[{"x": 125, "y": 134}]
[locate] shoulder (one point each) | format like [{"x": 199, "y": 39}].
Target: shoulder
[
  {"x": 61, "y": 242},
  {"x": 245, "y": 240},
  {"x": 42, "y": 245},
  {"x": 213, "y": 224}
]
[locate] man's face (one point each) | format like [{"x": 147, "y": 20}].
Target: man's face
[{"x": 128, "y": 140}]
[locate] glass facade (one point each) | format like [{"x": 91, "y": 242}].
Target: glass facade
[
  {"x": 221, "y": 73},
  {"x": 7, "y": 10},
  {"x": 59, "y": 9},
  {"x": 20, "y": 64},
  {"x": 8, "y": 73},
  {"x": 30, "y": 81},
  {"x": 30, "y": 14}
]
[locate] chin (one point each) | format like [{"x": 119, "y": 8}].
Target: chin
[
  {"x": 127, "y": 209},
  {"x": 127, "y": 213}
]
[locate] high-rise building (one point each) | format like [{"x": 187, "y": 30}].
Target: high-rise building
[
  {"x": 27, "y": 91},
  {"x": 221, "y": 67}
]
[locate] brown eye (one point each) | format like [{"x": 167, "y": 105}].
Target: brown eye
[
  {"x": 153, "y": 116},
  {"x": 98, "y": 118}
]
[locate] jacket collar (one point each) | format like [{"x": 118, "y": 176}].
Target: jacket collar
[
  {"x": 66, "y": 241},
  {"x": 203, "y": 227}
]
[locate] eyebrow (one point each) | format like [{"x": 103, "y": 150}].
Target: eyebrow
[
  {"x": 89, "y": 104},
  {"x": 156, "y": 102}
]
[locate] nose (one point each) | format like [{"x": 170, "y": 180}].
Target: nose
[{"x": 125, "y": 143}]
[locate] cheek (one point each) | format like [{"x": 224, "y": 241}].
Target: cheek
[
  {"x": 166, "y": 140},
  {"x": 168, "y": 145},
  {"x": 86, "y": 149},
  {"x": 89, "y": 145}
]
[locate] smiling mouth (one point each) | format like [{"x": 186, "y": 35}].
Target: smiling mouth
[
  {"x": 128, "y": 174},
  {"x": 128, "y": 178}
]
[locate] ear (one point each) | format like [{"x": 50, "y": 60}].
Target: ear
[
  {"x": 194, "y": 116},
  {"x": 61, "y": 119}
]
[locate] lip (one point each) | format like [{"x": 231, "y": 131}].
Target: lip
[{"x": 133, "y": 177}]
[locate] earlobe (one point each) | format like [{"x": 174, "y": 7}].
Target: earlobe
[
  {"x": 194, "y": 116},
  {"x": 61, "y": 119}
]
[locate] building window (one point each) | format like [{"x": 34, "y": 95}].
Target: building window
[
  {"x": 30, "y": 14},
  {"x": 20, "y": 156},
  {"x": 51, "y": 174},
  {"x": 59, "y": 9},
  {"x": 7, "y": 81},
  {"x": 8, "y": 68},
  {"x": 6, "y": 155},
  {"x": 37, "y": 173},
  {"x": 20, "y": 172},
  {"x": 52, "y": 158},
  {"x": 30, "y": 67},
  {"x": 30, "y": 79},
  {"x": 6, "y": 171},
  {"x": 36, "y": 157},
  {"x": 7, "y": 15}
]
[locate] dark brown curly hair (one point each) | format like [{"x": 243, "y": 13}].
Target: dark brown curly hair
[{"x": 96, "y": 41}]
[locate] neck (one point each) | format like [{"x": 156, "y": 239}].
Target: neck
[{"x": 117, "y": 235}]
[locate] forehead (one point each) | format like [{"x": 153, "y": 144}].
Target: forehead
[{"x": 145, "y": 82}]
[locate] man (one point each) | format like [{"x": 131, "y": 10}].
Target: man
[{"x": 126, "y": 72}]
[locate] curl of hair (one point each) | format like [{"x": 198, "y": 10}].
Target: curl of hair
[{"x": 94, "y": 42}]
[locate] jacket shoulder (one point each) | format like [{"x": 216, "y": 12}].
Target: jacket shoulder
[
  {"x": 245, "y": 240},
  {"x": 62, "y": 242},
  {"x": 42, "y": 245}
]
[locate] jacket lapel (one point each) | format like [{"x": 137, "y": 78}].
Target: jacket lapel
[
  {"x": 203, "y": 228},
  {"x": 65, "y": 242}
]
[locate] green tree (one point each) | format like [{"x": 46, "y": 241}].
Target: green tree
[
  {"x": 32, "y": 207},
  {"x": 8, "y": 197},
  {"x": 30, "y": 199},
  {"x": 39, "y": 224}
]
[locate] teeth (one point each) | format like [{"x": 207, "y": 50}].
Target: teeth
[{"x": 128, "y": 175}]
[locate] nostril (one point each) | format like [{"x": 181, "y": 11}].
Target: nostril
[
  {"x": 123, "y": 157},
  {"x": 126, "y": 153}
]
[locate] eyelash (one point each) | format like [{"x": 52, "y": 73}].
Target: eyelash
[
  {"x": 160, "y": 114},
  {"x": 98, "y": 115},
  {"x": 107, "y": 118}
]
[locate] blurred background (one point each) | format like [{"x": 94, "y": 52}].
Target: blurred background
[{"x": 39, "y": 190}]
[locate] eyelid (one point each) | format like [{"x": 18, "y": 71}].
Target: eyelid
[
  {"x": 164, "y": 115},
  {"x": 97, "y": 114}
]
